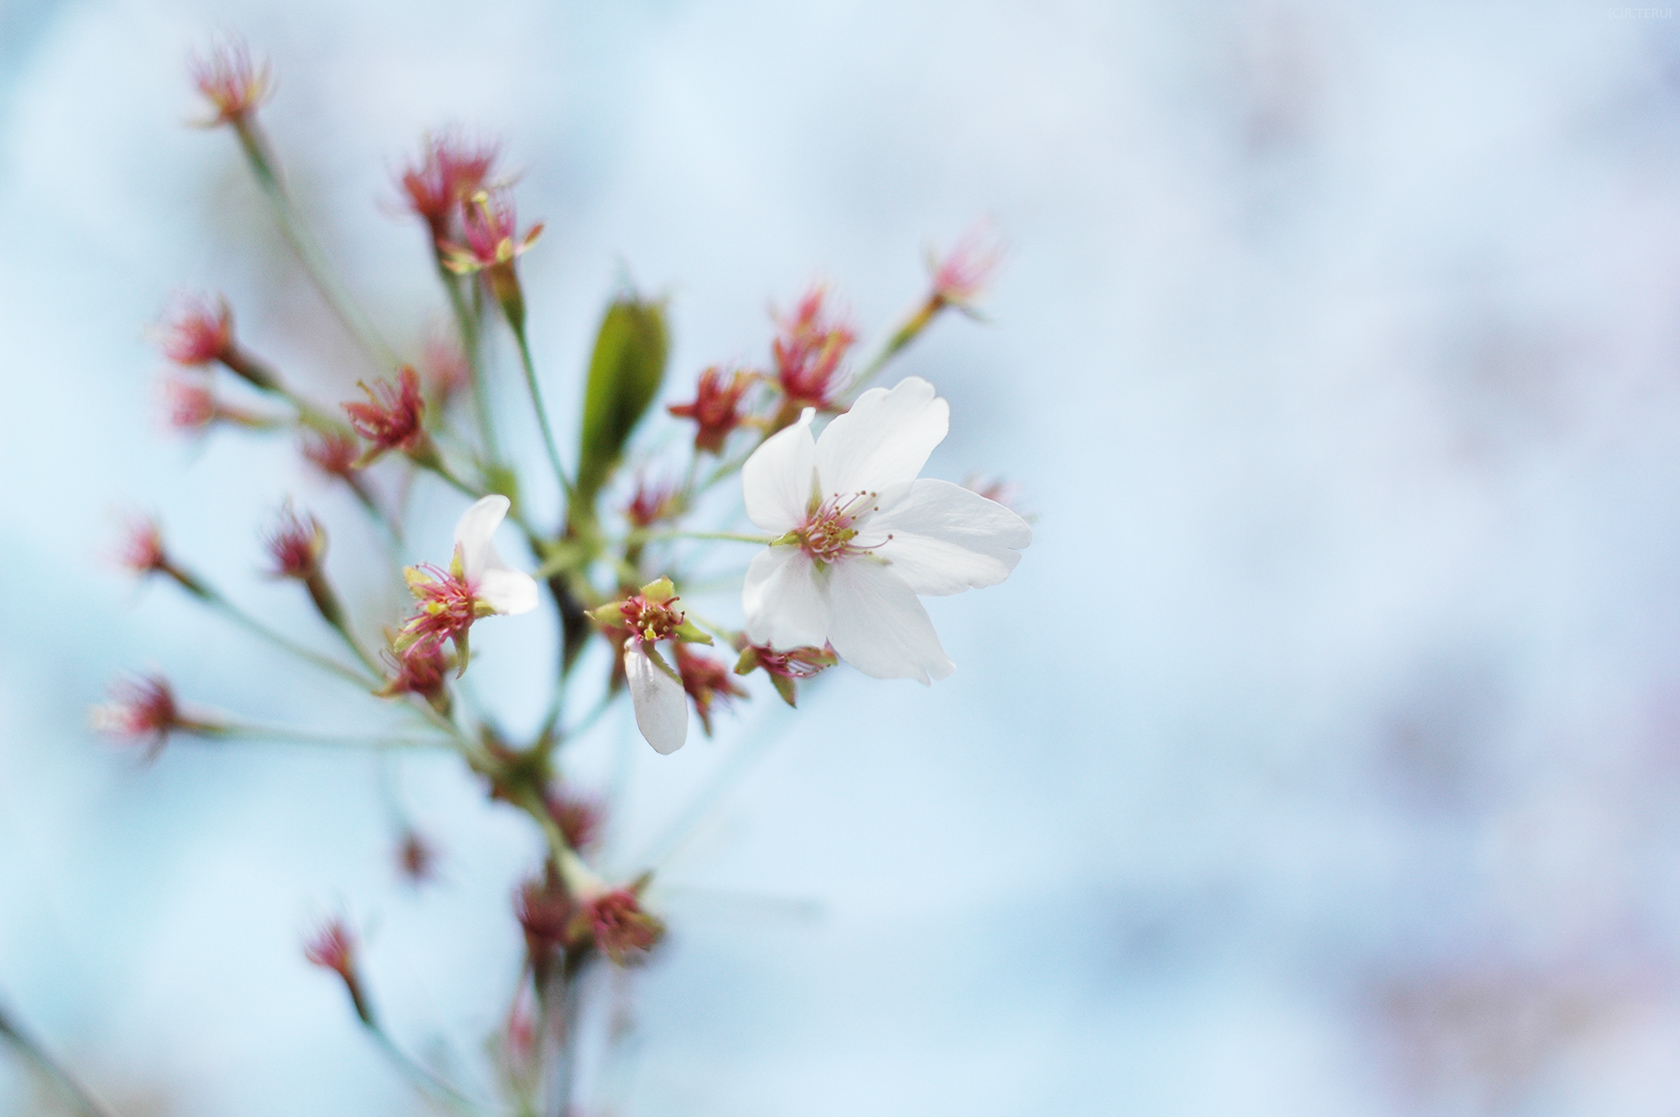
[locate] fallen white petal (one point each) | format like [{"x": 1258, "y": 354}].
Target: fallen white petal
[
  {"x": 778, "y": 479},
  {"x": 946, "y": 539},
  {"x": 878, "y": 626},
  {"x": 658, "y": 699},
  {"x": 884, "y": 440},
  {"x": 784, "y": 601}
]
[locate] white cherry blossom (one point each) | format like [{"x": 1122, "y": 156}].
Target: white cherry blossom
[
  {"x": 495, "y": 583},
  {"x": 859, "y": 535}
]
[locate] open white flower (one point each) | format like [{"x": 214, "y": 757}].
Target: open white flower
[
  {"x": 477, "y": 584},
  {"x": 860, "y": 535},
  {"x": 495, "y": 583}
]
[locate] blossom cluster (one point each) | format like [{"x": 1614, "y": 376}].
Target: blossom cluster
[{"x": 849, "y": 535}]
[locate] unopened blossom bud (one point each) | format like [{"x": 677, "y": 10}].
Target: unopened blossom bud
[
  {"x": 580, "y": 819},
  {"x": 296, "y": 545},
  {"x": 416, "y": 858},
  {"x": 621, "y": 928},
  {"x": 808, "y": 350},
  {"x": 190, "y": 406},
  {"x": 493, "y": 243},
  {"x": 196, "y": 332},
  {"x": 142, "y": 711},
  {"x": 141, "y": 548},
  {"x": 332, "y": 453},
  {"x": 450, "y": 171},
  {"x": 333, "y": 947},
  {"x": 995, "y": 489},
  {"x": 707, "y": 681},
  {"x": 784, "y": 668},
  {"x": 422, "y": 669},
  {"x": 963, "y": 274},
  {"x": 653, "y": 502},
  {"x": 392, "y": 418},
  {"x": 231, "y": 82},
  {"x": 545, "y": 913},
  {"x": 716, "y": 407}
]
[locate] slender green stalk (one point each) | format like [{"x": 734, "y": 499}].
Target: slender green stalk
[
  {"x": 304, "y": 246},
  {"x": 228, "y": 609},
  {"x": 423, "y": 1077},
  {"x": 728, "y": 536},
  {"x": 466, "y": 320},
  {"x": 79, "y": 1095},
  {"x": 549, "y": 443},
  {"x": 288, "y": 735}
]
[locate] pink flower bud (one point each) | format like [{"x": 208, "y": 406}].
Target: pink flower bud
[
  {"x": 392, "y": 419},
  {"x": 416, "y": 858},
  {"x": 296, "y": 545},
  {"x": 141, "y": 548},
  {"x": 141, "y": 711},
  {"x": 189, "y": 405},
  {"x": 965, "y": 272},
  {"x": 707, "y": 681},
  {"x": 652, "y": 502},
  {"x": 334, "y": 454},
  {"x": 451, "y": 170},
  {"x": 197, "y": 331},
  {"x": 230, "y": 81},
  {"x": 716, "y": 407},
  {"x": 808, "y": 350},
  {"x": 622, "y": 930},
  {"x": 580, "y": 819},
  {"x": 491, "y": 230}
]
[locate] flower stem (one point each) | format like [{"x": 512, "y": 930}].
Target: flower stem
[
  {"x": 86, "y": 1104},
  {"x": 210, "y": 597},
  {"x": 908, "y": 330},
  {"x": 728, "y": 536},
  {"x": 303, "y": 245},
  {"x": 287, "y": 735},
  {"x": 549, "y": 443},
  {"x": 467, "y": 322}
]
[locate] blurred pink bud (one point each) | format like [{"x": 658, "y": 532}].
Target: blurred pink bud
[
  {"x": 707, "y": 681},
  {"x": 142, "y": 711},
  {"x": 997, "y": 489},
  {"x": 296, "y": 545},
  {"x": 333, "y": 947},
  {"x": 544, "y": 912},
  {"x": 421, "y": 669},
  {"x": 392, "y": 419},
  {"x": 416, "y": 858},
  {"x": 333, "y": 453},
  {"x": 230, "y": 81},
  {"x": 188, "y": 403},
  {"x": 450, "y": 171},
  {"x": 196, "y": 331},
  {"x": 653, "y": 501},
  {"x": 491, "y": 229},
  {"x": 621, "y": 928},
  {"x": 808, "y": 350},
  {"x": 716, "y": 407},
  {"x": 447, "y": 370},
  {"x": 141, "y": 547},
  {"x": 965, "y": 272},
  {"x": 580, "y": 819}
]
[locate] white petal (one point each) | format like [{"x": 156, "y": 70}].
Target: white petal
[
  {"x": 879, "y": 627},
  {"x": 660, "y": 704},
  {"x": 507, "y": 591},
  {"x": 885, "y": 438},
  {"x": 784, "y": 600},
  {"x": 778, "y": 479},
  {"x": 474, "y": 530},
  {"x": 945, "y": 539}
]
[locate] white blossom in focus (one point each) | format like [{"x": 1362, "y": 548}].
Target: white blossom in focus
[
  {"x": 859, "y": 535},
  {"x": 494, "y": 583}
]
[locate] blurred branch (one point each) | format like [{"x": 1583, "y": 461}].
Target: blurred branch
[{"x": 85, "y": 1103}]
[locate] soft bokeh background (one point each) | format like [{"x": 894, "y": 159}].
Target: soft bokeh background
[{"x": 1320, "y": 757}]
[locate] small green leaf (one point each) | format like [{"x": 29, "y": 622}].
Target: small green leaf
[{"x": 624, "y": 377}]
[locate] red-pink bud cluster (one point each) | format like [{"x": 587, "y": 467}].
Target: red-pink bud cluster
[
  {"x": 450, "y": 171},
  {"x": 332, "y": 453},
  {"x": 716, "y": 408},
  {"x": 812, "y": 342},
  {"x": 491, "y": 232},
  {"x": 652, "y": 502},
  {"x": 416, "y": 858},
  {"x": 141, "y": 548},
  {"x": 581, "y": 819},
  {"x": 621, "y": 928},
  {"x": 197, "y": 332},
  {"x": 963, "y": 275},
  {"x": 393, "y": 417},
  {"x": 141, "y": 711}
]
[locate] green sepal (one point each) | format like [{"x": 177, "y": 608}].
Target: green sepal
[
  {"x": 689, "y": 633},
  {"x": 787, "y": 688}
]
